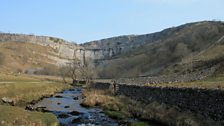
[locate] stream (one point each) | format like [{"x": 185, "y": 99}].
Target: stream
[{"x": 66, "y": 106}]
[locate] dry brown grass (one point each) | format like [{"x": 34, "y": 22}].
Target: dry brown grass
[
  {"x": 19, "y": 56},
  {"x": 101, "y": 98},
  {"x": 16, "y": 77}
]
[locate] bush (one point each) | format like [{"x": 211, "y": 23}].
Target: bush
[
  {"x": 115, "y": 114},
  {"x": 2, "y": 58},
  {"x": 48, "y": 70},
  {"x": 139, "y": 124}
]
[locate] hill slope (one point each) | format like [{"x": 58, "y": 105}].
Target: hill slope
[
  {"x": 29, "y": 53},
  {"x": 179, "y": 50}
]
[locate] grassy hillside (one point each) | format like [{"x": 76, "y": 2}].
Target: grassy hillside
[
  {"x": 21, "y": 57},
  {"x": 190, "y": 46}
]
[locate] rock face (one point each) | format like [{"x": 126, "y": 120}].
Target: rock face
[
  {"x": 95, "y": 50},
  {"x": 110, "y": 47},
  {"x": 64, "y": 48}
]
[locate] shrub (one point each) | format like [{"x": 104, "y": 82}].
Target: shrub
[
  {"x": 2, "y": 58},
  {"x": 139, "y": 124},
  {"x": 115, "y": 114}
]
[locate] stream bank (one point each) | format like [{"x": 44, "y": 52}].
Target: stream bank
[{"x": 66, "y": 106}]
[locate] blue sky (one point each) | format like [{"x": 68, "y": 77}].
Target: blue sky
[{"x": 85, "y": 20}]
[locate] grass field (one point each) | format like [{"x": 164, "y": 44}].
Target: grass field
[
  {"x": 23, "y": 89},
  {"x": 16, "y": 116},
  {"x": 215, "y": 82},
  {"x": 24, "y": 92}
]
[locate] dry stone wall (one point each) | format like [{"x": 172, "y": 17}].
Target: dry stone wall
[{"x": 209, "y": 103}]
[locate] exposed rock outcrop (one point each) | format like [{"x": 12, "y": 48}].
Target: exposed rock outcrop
[{"x": 9, "y": 101}]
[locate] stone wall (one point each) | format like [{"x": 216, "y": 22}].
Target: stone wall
[
  {"x": 100, "y": 86},
  {"x": 209, "y": 103}
]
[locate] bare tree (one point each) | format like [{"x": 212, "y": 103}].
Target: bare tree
[
  {"x": 64, "y": 73},
  {"x": 2, "y": 58},
  {"x": 71, "y": 70},
  {"x": 74, "y": 69},
  {"x": 77, "y": 70},
  {"x": 87, "y": 71}
]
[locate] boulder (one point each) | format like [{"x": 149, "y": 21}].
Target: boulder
[
  {"x": 9, "y": 101},
  {"x": 76, "y": 98},
  {"x": 58, "y": 96},
  {"x": 30, "y": 107},
  {"x": 41, "y": 108},
  {"x": 67, "y": 107},
  {"x": 76, "y": 120},
  {"x": 75, "y": 113},
  {"x": 63, "y": 115}
]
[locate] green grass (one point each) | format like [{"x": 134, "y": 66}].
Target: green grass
[
  {"x": 215, "y": 82},
  {"x": 79, "y": 85},
  {"x": 115, "y": 114},
  {"x": 13, "y": 116},
  {"x": 25, "y": 92},
  {"x": 16, "y": 78},
  {"x": 30, "y": 78},
  {"x": 23, "y": 89},
  {"x": 139, "y": 124}
]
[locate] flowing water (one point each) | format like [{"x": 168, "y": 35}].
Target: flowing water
[{"x": 66, "y": 106}]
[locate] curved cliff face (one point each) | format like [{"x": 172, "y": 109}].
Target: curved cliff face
[
  {"x": 110, "y": 47},
  {"x": 132, "y": 55},
  {"x": 107, "y": 48}
]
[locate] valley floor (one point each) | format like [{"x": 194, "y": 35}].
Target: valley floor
[{"x": 19, "y": 90}]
